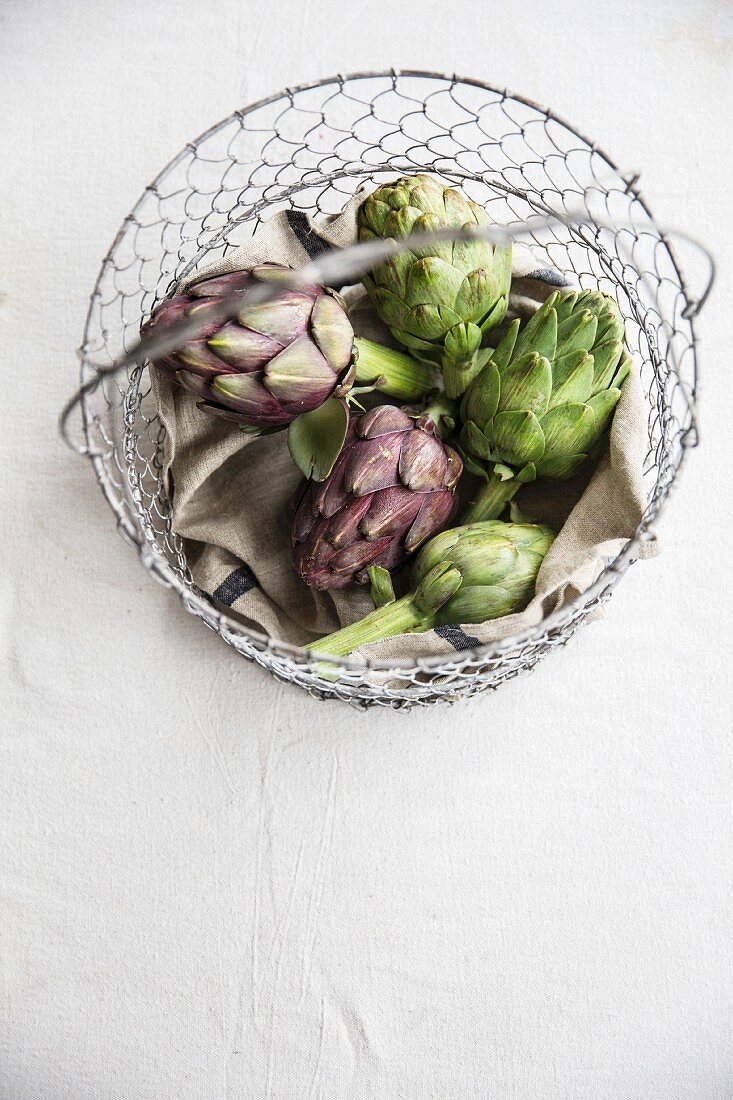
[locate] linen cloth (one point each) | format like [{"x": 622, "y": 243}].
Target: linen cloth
[{"x": 232, "y": 494}]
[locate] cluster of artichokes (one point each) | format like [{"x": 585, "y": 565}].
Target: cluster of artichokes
[{"x": 533, "y": 401}]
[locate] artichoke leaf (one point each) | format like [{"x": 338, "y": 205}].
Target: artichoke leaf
[
  {"x": 475, "y": 293},
  {"x": 572, "y": 378},
  {"x": 496, "y": 315},
  {"x": 603, "y": 405},
  {"x": 400, "y": 223},
  {"x": 315, "y": 439},
  {"x": 332, "y": 332},
  {"x": 606, "y": 358},
  {"x": 432, "y": 281},
  {"x": 518, "y": 437},
  {"x": 457, "y": 208},
  {"x": 502, "y": 355},
  {"x": 540, "y": 332},
  {"x": 469, "y": 255},
  {"x": 526, "y": 385},
  {"x": 376, "y": 212},
  {"x": 425, "y": 322},
  {"x": 561, "y": 468},
  {"x": 577, "y": 333},
  {"x": 474, "y": 441},
  {"x": 478, "y": 469},
  {"x": 392, "y": 309},
  {"x": 430, "y": 353},
  {"x": 487, "y": 563},
  {"x": 477, "y": 604},
  {"x": 481, "y": 399},
  {"x": 429, "y": 222},
  {"x": 449, "y": 317},
  {"x": 392, "y": 275},
  {"x": 568, "y": 430},
  {"x": 294, "y": 374}
]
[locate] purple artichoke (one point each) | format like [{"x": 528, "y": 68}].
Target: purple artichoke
[
  {"x": 391, "y": 488},
  {"x": 287, "y": 362},
  {"x": 273, "y": 361}
]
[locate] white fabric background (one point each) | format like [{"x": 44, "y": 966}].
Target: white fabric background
[{"x": 212, "y": 886}]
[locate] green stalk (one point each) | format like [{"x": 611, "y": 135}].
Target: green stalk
[
  {"x": 458, "y": 374},
  {"x": 393, "y": 372},
  {"x": 457, "y": 377},
  {"x": 444, "y": 414},
  {"x": 492, "y": 498},
  {"x": 399, "y": 617},
  {"x": 381, "y": 587}
]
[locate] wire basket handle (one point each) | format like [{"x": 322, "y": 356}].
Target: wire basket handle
[
  {"x": 695, "y": 304},
  {"x": 339, "y": 266}
]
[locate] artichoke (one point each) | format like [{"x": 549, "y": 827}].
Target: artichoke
[
  {"x": 392, "y": 487},
  {"x": 466, "y": 575},
  {"x": 542, "y": 403},
  {"x": 438, "y": 299},
  {"x": 278, "y": 363}
]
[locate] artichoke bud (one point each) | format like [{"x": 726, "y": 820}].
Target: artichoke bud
[
  {"x": 443, "y": 295},
  {"x": 542, "y": 404},
  {"x": 465, "y": 575},
  {"x": 274, "y": 361},
  {"x": 285, "y": 362},
  {"x": 391, "y": 488}
]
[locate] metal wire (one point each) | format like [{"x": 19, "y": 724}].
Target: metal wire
[{"x": 309, "y": 149}]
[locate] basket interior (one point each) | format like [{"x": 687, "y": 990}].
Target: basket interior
[{"x": 309, "y": 149}]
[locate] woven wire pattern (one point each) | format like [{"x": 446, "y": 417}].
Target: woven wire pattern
[{"x": 309, "y": 149}]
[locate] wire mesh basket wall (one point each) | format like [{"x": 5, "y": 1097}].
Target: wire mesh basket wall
[{"x": 309, "y": 149}]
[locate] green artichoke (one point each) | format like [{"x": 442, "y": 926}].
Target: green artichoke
[
  {"x": 466, "y": 575},
  {"x": 438, "y": 299},
  {"x": 542, "y": 403}
]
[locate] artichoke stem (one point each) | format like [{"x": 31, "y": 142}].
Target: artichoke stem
[
  {"x": 399, "y": 375},
  {"x": 382, "y": 589},
  {"x": 399, "y": 617},
  {"x": 443, "y": 412},
  {"x": 492, "y": 498},
  {"x": 457, "y": 376}
]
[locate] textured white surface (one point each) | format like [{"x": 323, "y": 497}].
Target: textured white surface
[{"x": 212, "y": 886}]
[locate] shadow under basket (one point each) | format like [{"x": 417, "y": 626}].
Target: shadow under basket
[{"x": 309, "y": 149}]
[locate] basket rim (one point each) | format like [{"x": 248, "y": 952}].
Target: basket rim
[{"x": 199, "y": 604}]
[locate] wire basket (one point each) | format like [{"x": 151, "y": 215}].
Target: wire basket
[{"x": 309, "y": 149}]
